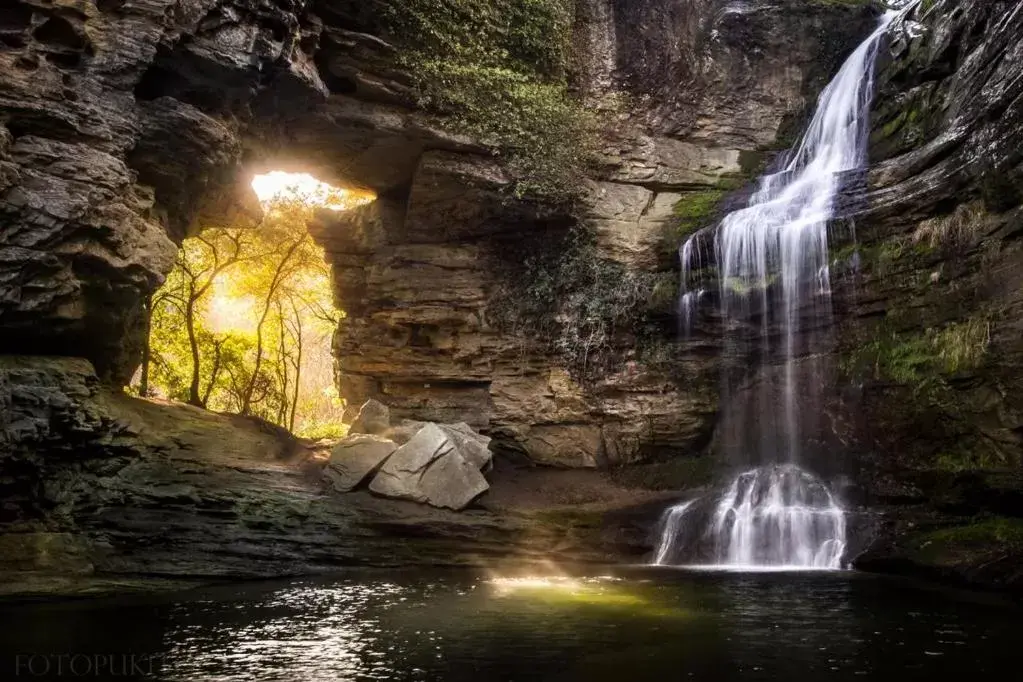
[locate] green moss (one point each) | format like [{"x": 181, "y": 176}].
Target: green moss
[
  {"x": 694, "y": 211},
  {"x": 965, "y": 456},
  {"x": 845, "y": 252},
  {"x": 922, "y": 375},
  {"x": 962, "y": 346},
  {"x": 983, "y": 535},
  {"x": 920, "y": 360},
  {"x": 496, "y": 69}
]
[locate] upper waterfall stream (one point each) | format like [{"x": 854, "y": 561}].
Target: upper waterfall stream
[{"x": 772, "y": 272}]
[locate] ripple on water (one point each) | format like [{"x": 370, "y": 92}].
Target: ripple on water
[{"x": 656, "y": 625}]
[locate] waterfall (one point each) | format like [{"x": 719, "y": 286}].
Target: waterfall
[
  {"x": 670, "y": 533},
  {"x": 779, "y": 516},
  {"x": 772, "y": 270}
]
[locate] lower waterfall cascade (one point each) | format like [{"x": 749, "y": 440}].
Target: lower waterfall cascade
[{"x": 771, "y": 261}]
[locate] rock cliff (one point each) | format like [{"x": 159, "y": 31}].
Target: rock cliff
[
  {"x": 931, "y": 299},
  {"x": 126, "y": 125}
]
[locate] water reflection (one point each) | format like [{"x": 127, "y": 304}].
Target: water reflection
[{"x": 640, "y": 625}]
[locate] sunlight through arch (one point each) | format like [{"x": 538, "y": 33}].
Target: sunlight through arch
[{"x": 244, "y": 321}]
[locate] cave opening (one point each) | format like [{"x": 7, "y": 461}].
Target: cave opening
[{"x": 244, "y": 322}]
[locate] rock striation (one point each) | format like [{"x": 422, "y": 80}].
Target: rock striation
[
  {"x": 355, "y": 459},
  {"x": 103, "y": 492},
  {"x": 127, "y": 126}
]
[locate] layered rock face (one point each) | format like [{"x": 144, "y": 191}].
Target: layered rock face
[
  {"x": 128, "y": 125},
  {"x": 103, "y": 492},
  {"x": 418, "y": 278},
  {"x": 930, "y": 303},
  {"x": 125, "y": 125}
]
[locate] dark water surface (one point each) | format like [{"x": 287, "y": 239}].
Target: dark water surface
[{"x": 643, "y": 624}]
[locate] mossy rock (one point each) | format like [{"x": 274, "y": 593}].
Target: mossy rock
[
  {"x": 695, "y": 210},
  {"x": 956, "y": 544}
]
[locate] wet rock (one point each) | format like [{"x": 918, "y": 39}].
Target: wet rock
[
  {"x": 355, "y": 458},
  {"x": 430, "y": 468}
]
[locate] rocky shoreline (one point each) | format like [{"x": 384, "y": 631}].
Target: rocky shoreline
[{"x": 140, "y": 495}]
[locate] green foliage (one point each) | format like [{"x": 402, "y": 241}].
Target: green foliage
[
  {"x": 695, "y": 210},
  {"x": 927, "y": 364},
  {"x": 496, "y": 70},
  {"x": 243, "y": 324},
  {"x": 924, "y": 361},
  {"x": 967, "y": 458},
  {"x": 962, "y": 346},
  {"x": 576, "y": 303}
]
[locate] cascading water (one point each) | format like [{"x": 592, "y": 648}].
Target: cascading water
[{"x": 772, "y": 270}]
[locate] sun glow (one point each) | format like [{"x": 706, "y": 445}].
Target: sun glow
[
  {"x": 282, "y": 185},
  {"x": 231, "y": 313},
  {"x": 508, "y": 585}
]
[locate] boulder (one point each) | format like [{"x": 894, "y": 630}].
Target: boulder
[
  {"x": 355, "y": 458},
  {"x": 475, "y": 447},
  {"x": 403, "y": 431},
  {"x": 374, "y": 418},
  {"x": 430, "y": 468}
]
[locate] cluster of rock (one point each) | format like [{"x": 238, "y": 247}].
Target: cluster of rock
[{"x": 437, "y": 464}]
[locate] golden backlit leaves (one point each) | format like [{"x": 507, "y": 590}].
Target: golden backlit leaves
[{"x": 264, "y": 314}]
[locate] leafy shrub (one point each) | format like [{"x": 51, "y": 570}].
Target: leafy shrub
[
  {"x": 576, "y": 303},
  {"x": 495, "y": 69},
  {"x": 923, "y": 360}
]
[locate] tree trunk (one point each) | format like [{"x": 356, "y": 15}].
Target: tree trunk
[
  {"x": 147, "y": 311},
  {"x": 193, "y": 390},
  {"x": 282, "y": 364},
  {"x": 214, "y": 374},
  {"x": 274, "y": 283},
  {"x": 298, "y": 367}
]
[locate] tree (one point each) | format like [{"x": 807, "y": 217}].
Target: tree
[{"x": 231, "y": 328}]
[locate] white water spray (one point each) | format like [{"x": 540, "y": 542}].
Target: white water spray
[
  {"x": 673, "y": 519},
  {"x": 772, "y": 261}
]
